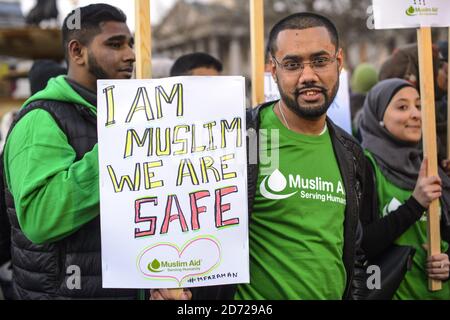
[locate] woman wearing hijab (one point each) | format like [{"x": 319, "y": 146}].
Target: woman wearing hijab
[{"x": 391, "y": 134}]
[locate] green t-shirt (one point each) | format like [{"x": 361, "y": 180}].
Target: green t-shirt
[
  {"x": 415, "y": 284},
  {"x": 297, "y": 224}
]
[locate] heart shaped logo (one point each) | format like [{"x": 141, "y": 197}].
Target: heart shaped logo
[{"x": 166, "y": 261}]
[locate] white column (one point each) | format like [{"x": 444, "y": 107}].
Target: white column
[
  {"x": 235, "y": 57},
  {"x": 200, "y": 47},
  {"x": 214, "y": 47}
]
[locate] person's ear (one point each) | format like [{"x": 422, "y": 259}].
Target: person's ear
[
  {"x": 340, "y": 59},
  {"x": 273, "y": 69},
  {"x": 77, "y": 52}
]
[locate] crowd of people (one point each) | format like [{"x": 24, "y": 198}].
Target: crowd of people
[{"x": 304, "y": 249}]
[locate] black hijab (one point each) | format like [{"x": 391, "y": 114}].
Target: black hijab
[{"x": 398, "y": 160}]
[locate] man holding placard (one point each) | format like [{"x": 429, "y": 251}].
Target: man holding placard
[{"x": 51, "y": 165}]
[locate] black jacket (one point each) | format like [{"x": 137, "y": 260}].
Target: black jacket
[
  {"x": 352, "y": 163},
  {"x": 380, "y": 233},
  {"x": 5, "y": 227},
  {"x": 41, "y": 272}
]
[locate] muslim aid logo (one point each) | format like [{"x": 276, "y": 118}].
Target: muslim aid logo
[
  {"x": 420, "y": 8},
  {"x": 167, "y": 261},
  {"x": 316, "y": 188},
  {"x": 277, "y": 183}
]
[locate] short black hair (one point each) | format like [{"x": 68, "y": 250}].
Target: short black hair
[
  {"x": 91, "y": 17},
  {"x": 301, "y": 21},
  {"x": 185, "y": 64}
]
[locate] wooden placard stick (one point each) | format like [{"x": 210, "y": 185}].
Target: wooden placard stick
[
  {"x": 429, "y": 138},
  {"x": 143, "y": 40},
  {"x": 257, "y": 45}
]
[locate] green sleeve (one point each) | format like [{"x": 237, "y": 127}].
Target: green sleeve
[{"x": 54, "y": 195}]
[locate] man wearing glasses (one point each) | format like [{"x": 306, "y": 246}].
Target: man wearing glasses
[{"x": 304, "y": 228}]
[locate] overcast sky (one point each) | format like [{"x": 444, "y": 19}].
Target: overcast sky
[{"x": 158, "y": 7}]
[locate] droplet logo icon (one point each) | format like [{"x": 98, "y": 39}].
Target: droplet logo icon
[
  {"x": 154, "y": 266},
  {"x": 391, "y": 206},
  {"x": 277, "y": 183},
  {"x": 411, "y": 11}
]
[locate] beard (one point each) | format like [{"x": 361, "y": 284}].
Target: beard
[
  {"x": 95, "y": 69},
  {"x": 305, "y": 112}
]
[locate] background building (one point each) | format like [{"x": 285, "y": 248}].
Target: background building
[{"x": 222, "y": 29}]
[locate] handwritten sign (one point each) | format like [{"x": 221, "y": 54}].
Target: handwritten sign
[
  {"x": 390, "y": 14},
  {"x": 173, "y": 171},
  {"x": 339, "y": 111}
]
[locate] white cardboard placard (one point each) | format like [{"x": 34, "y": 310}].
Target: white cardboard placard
[
  {"x": 173, "y": 182},
  {"x": 397, "y": 14}
]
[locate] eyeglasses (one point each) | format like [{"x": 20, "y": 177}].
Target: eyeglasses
[{"x": 319, "y": 65}]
